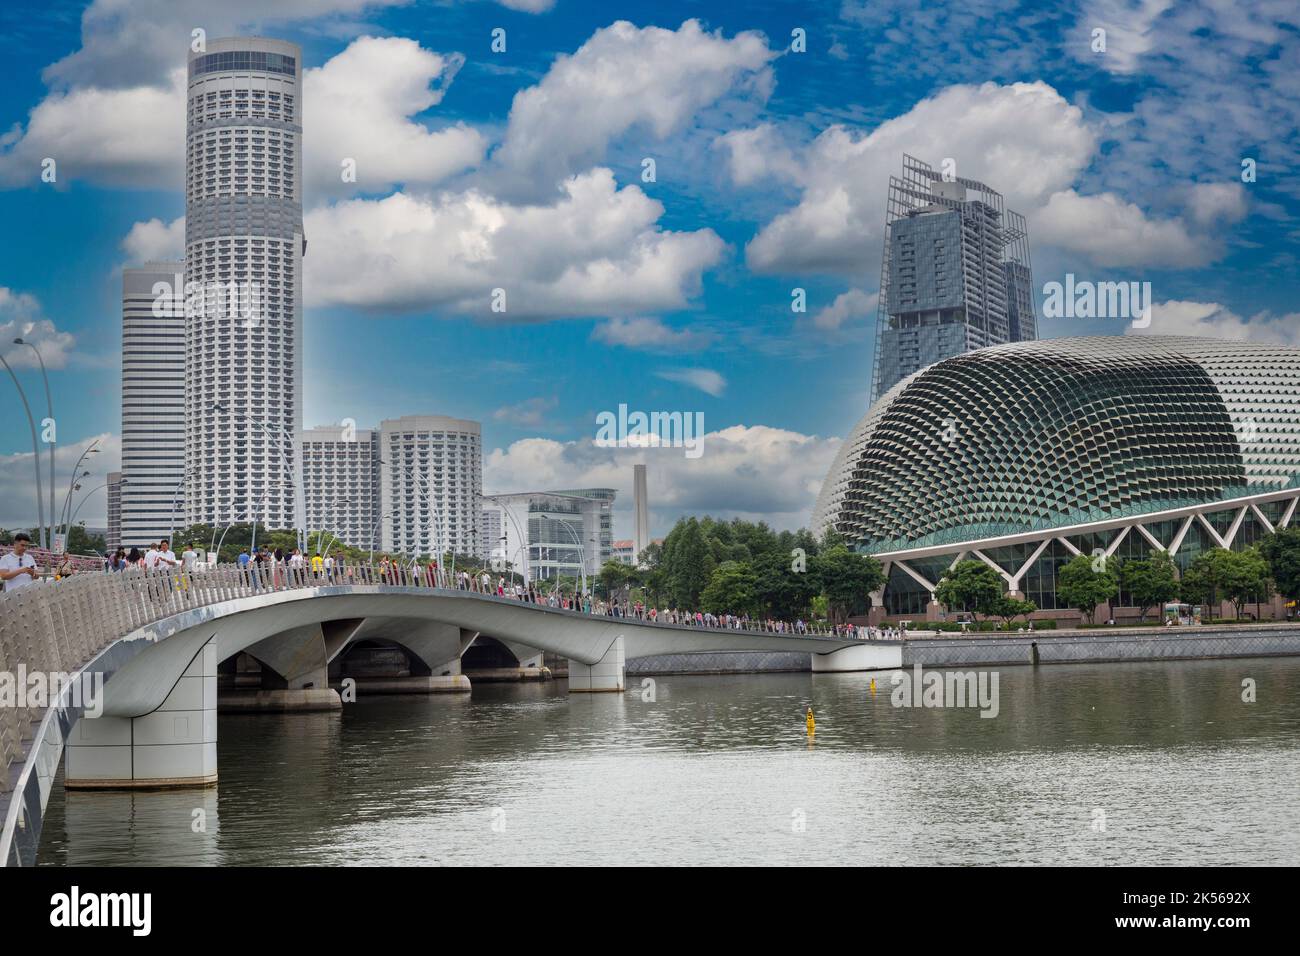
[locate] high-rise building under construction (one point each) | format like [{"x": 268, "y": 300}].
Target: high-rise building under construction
[{"x": 955, "y": 275}]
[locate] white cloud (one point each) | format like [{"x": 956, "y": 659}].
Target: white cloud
[
  {"x": 706, "y": 380},
  {"x": 1129, "y": 31},
  {"x": 156, "y": 241},
  {"x": 651, "y": 334},
  {"x": 1023, "y": 139},
  {"x": 132, "y": 136},
  {"x": 625, "y": 77},
  {"x": 358, "y": 106},
  {"x": 1112, "y": 232},
  {"x": 1210, "y": 204},
  {"x": 529, "y": 413},
  {"x": 847, "y": 308},
  {"x": 18, "y": 479},
  {"x": 595, "y": 250},
  {"x": 21, "y": 317},
  {"x": 1210, "y": 319},
  {"x": 758, "y": 154},
  {"x": 749, "y": 471}
]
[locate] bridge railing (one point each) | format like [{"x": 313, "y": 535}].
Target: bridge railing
[{"x": 50, "y": 629}]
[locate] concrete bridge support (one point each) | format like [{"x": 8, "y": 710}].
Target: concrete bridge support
[
  {"x": 432, "y": 651},
  {"x": 604, "y": 675},
  {"x": 174, "y": 746},
  {"x": 874, "y": 656},
  {"x": 295, "y": 674}
]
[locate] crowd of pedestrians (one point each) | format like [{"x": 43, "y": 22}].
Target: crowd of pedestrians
[{"x": 277, "y": 568}]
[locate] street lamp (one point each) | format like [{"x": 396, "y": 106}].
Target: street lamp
[
  {"x": 36, "y": 457},
  {"x": 423, "y": 482},
  {"x": 49, "y": 406},
  {"x": 65, "y": 512},
  {"x": 73, "y": 520},
  {"x": 89, "y": 450}
]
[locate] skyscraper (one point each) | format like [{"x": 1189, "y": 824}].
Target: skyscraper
[
  {"x": 431, "y": 477},
  {"x": 341, "y": 484},
  {"x": 243, "y": 268},
  {"x": 153, "y": 403},
  {"x": 955, "y": 274}
]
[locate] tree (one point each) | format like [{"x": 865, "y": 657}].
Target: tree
[
  {"x": 613, "y": 578},
  {"x": 971, "y": 586},
  {"x": 1220, "y": 574},
  {"x": 1148, "y": 582},
  {"x": 687, "y": 562},
  {"x": 847, "y": 579},
  {"x": 732, "y": 589},
  {"x": 782, "y": 592},
  {"x": 1009, "y": 608},
  {"x": 1281, "y": 550},
  {"x": 1245, "y": 577},
  {"x": 1082, "y": 586}
]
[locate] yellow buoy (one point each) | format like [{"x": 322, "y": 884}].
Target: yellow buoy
[
  {"x": 873, "y": 685},
  {"x": 812, "y": 724}
]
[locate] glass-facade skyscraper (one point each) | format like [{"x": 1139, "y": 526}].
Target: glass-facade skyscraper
[{"x": 955, "y": 276}]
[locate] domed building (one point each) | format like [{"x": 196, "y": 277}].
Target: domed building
[{"x": 1024, "y": 455}]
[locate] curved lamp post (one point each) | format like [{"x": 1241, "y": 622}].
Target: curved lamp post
[
  {"x": 49, "y": 406},
  {"x": 36, "y": 457}
]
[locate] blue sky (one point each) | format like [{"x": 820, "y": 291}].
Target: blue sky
[{"x": 522, "y": 170}]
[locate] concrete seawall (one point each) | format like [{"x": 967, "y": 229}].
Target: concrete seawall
[
  {"x": 1059, "y": 647},
  {"x": 1122, "y": 644}
]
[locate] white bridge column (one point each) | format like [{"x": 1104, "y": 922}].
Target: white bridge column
[
  {"x": 604, "y": 675},
  {"x": 175, "y": 746}
]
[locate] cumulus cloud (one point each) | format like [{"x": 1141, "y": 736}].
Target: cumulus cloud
[
  {"x": 595, "y": 250},
  {"x": 1110, "y": 232},
  {"x": 749, "y": 471},
  {"x": 625, "y": 77},
  {"x": 705, "y": 379},
  {"x": 129, "y": 136},
  {"x": 155, "y": 240},
  {"x": 847, "y": 309},
  {"x": 21, "y": 317},
  {"x": 1213, "y": 320},
  {"x": 650, "y": 334},
  {"x": 359, "y": 106},
  {"x": 1023, "y": 139}
]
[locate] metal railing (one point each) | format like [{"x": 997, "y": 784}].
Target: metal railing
[{"x": 56, "y": 627}]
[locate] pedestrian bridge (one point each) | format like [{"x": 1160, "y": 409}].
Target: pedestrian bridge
[{"x": 130, "y": 661}]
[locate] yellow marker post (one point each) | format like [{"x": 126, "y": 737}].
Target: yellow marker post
[
  {"x": 812, "y": 724},
  {"x": 873, "y": 685}
]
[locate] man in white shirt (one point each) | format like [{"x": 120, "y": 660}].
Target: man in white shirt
[
  {"x": 18, "y": 568},
  {"x": 161, "y": 556},
  {"x": 189, "y": 558}
]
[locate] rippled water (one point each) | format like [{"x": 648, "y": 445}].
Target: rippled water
[{"x": 1087, "y": 764}]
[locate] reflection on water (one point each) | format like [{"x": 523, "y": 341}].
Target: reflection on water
[{"x": 1086, "y": 764}]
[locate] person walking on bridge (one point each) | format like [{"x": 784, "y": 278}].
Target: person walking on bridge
[{"x": 18, "y": 568}]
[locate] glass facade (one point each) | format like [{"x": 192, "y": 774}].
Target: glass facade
[{"x": 244, "y": 60}]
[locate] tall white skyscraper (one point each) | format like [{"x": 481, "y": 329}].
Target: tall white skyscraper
[
  {"x": 243, "y": 268},
  {"x": 341, "y": 479},
  {"x": 431, "y": 476},
  {"x": 153, "y": 403}
]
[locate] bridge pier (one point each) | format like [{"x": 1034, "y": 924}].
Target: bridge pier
[
  {"x": 174, "y": 746},
  {"x": 604, "y": 675},
  {"x": 295, "y": 675}
]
